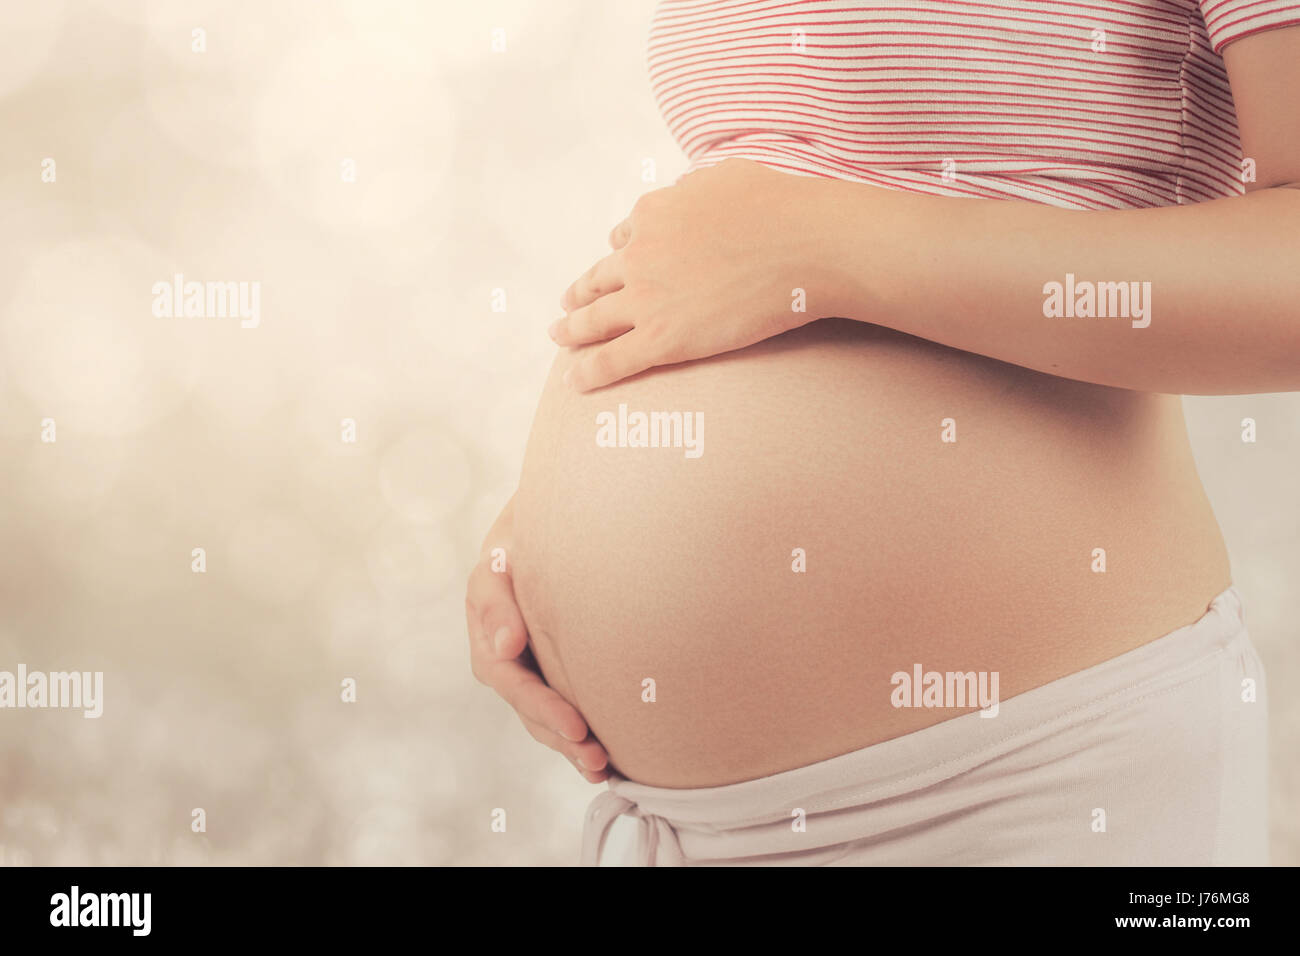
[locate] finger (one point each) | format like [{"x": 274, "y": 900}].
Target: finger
[
  {"x": 612, "y": 362},
  {"x": 597, "y": 322},
  {"x": 588, "y": 758},
  {"x": 604, "y": 277},
  {"x": 496, "y": 626},
  {"x": 525, "y": 691},
  {"x": 620, "y": 234}
]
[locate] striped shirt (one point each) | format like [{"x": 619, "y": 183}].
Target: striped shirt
[{"x": 1095, "y": 105}]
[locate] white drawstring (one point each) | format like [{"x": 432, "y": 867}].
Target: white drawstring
[
  {"x": 604, "y": 810},
  {"x": 654, "y": 832}
]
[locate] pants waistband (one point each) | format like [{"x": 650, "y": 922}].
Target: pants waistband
[{"x": 917, "y": 760}]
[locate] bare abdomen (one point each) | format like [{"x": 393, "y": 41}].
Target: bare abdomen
[{"x": 635, "y": 564}]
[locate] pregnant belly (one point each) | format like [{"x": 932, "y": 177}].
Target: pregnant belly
[{"x": 847, "y": 504}]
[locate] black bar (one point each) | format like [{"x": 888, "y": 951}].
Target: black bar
[{"x": 984, "y": 907}]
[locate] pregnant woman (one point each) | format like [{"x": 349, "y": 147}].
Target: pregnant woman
[{"x": 858, "y": 522}]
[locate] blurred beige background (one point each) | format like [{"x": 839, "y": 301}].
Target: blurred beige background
[{"x": 476, "y": 169}]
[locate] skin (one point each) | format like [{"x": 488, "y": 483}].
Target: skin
[
  {"x": 698, "y": 276},
  {"x": 1225, "y": 288},
  {"x": 499, "y": 658},
  {"x": 631, "y": 564}
]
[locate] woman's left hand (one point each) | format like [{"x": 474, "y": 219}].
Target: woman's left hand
[{"x": 725, "y": 257}]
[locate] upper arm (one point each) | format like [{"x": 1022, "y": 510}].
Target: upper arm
[{"x": 1259, "y": 41}]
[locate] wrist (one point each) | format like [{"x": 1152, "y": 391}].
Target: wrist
[{"x": 842, "y": 227}]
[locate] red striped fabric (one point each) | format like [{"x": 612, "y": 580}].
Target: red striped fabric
[{"x": 1080, "y": 105}]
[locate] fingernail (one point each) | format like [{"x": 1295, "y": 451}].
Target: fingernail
[
  {"x": 499, "y": 639},
  {"x": 567, "y": 373},
  {"x": 554, "y": 328},
  {"x": 581, "y": 763},
  {"x": 572, "y": 740}
]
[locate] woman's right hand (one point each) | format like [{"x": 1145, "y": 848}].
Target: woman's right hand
[{"x": 500, "y": 658}]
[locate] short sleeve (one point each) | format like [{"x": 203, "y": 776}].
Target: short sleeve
[{"x": 1228, "y": 20}]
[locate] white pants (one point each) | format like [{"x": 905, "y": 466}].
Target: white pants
[{"x": 1155, "y": 757}]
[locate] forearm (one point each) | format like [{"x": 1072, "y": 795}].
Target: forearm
[{"x": 1223, "y": 300}]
